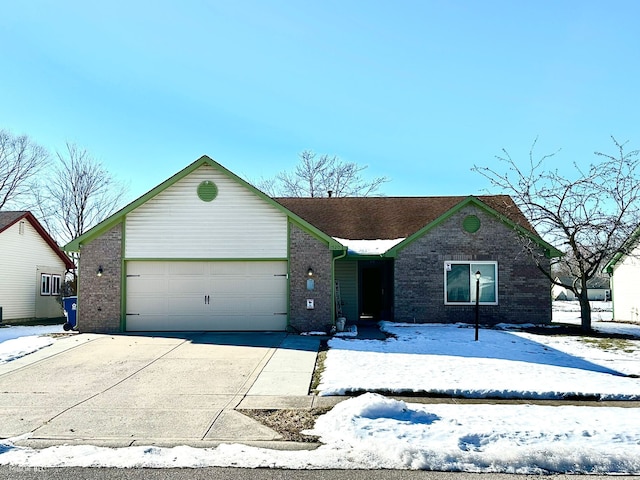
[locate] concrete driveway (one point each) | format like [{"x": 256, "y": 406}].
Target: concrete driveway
[{"x": 121, "y": 390}]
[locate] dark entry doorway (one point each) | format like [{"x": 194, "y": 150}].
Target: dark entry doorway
[{"x": 376, "y": 290}]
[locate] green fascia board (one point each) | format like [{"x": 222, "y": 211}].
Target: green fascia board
[
  {"x": 310, "y": 229},
  {"x": 631, "y": 242},
  {"x": 206, "y": 259},
  {"x": 358, "y": 256},
  {"x": 550, "y": 251},
  {"x": 119, "y": 216}
]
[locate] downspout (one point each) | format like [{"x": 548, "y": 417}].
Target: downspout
[{"x": 333, "y": 283}]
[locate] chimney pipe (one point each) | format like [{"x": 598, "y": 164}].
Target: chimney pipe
[{"x": 330, "y": 193}]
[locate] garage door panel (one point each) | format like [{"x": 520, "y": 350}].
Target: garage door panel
[
  {"x": 151, "y": 285},
  {"x": 187, "y": 268},
  {"x": 149, "y": 304},
  {"x": 247, "y": 286},
  {"x": 194, "y": 305},
  {"x": 146, "y": 268},
  {"x": 188, "y": 285},
  {"x": 225, "y": 296}
]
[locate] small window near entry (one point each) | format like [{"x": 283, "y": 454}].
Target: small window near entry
[
  {"x": 460, "y": 283},
  {"x": 45, "y": 284},
  {"x": 55, "y": 284}
]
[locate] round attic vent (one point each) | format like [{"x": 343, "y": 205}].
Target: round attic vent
[
  {"x": 471, "y": 224},
  {"x": 207, "y": 191}
]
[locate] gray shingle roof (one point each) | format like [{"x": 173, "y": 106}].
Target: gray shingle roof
[{"x": 9, "y": 218}]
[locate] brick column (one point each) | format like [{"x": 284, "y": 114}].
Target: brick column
[
  {"x": 99, "y": 297},
  {"x": 306, "y": 251}
]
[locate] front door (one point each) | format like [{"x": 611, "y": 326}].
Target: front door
[{"x": 376, "y": 290}]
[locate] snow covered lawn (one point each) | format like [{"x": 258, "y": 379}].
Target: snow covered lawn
[
  {"x": 445, "y": 360},
  {"x": 374, "y": 432},
  {"x": 17, "y": 341}
]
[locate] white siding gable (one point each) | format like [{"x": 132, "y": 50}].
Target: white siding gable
[
  {"x": 177, "y": 224},
  {"x": 22, "y": 255},
  {"x": 626, "y": 288}
]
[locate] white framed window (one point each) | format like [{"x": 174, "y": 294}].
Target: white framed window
[
  {"x": 460, "y": 282},
  {"x": 45, "y": 284},
  {"x": 55, "y": 284}
]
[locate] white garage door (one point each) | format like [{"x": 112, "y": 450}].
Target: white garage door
[{"x": 225, "y": 296}]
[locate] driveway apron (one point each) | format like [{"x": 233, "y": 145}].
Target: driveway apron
[{"x": 154, "y": 389}]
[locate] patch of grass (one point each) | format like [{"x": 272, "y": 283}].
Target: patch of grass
[
  {"x": 319, "y": 368},
  {"x": 610, "y": 344},
  {"x": 289, "y": 422}
]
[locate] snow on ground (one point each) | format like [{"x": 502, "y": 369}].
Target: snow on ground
[
  {"x": 445, "y": 360},
  {"x": 17, "y": 341},
  {"x": 601, "y": 317},
  {"x": 372, "y": 431}
]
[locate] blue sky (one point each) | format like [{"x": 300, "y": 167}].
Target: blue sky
[{"x": 419, "y": 91}]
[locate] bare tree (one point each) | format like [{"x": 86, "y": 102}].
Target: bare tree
[
  {"x": 79, "y": 194},
  {"x": 315, "y": 176},
  {"x": 21, "y": 160},
  {"x": 588, "y": 217}
]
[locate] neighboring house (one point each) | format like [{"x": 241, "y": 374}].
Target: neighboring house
[
  {"x": 205, "y": 250},
  {"x": 598, "y": 288},
  {"x": 624, "y": 270},
  {"x": 32, "y": 269}
]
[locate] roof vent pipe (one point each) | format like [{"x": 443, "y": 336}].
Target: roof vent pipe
[{"x": 330, "y": 193}]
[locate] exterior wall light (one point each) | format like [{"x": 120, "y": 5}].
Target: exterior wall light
[
  {"x": 100, "y": 271},
  {"x": 310, "y": 272}
]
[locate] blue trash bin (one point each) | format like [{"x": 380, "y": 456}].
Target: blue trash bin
[{"x": 70, "y": 311}]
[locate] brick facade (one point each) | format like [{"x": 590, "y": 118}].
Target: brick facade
[
  {"x": 523, "y": 291},
  {"x": 99, "y": 297},
  {"x": 306, "y": 251}
]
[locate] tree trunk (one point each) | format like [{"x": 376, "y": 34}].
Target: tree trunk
[{"x": 585, "y": 310}]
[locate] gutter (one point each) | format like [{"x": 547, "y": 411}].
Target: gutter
[{"x": 333, "y": 283}]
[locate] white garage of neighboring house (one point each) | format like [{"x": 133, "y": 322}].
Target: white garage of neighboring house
[
  {"x": 624, "y": 269},
  {"x": 598, "y": 289},
  {"x": 202, "y": 251},
  {"x": 32, "y": 269}
]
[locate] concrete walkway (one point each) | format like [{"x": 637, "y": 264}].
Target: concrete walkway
[{"x": 121, "y": 390}]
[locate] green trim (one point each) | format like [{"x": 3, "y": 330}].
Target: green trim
[
  {"x": 78, "y": 281},
  {"x": 550, "y": 251},
  {"x": 357, "y": 256},
  {"x": 119, "y": 216},
  {"x": 626, "y": 246},
  {"x": 612, "y": 281},
  {"x": 332, "y": 243},
  {"x": 333, "y": 283},
  {"x": 288, "y": 275},
  {"x": 190, "y": 259},
  {"x": 123, "y": 280}
]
